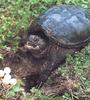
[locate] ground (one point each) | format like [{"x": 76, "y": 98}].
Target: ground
[{"x": 17, "y": 15}]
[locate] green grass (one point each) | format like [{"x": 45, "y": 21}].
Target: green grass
[{"x": 18, "y": 14}]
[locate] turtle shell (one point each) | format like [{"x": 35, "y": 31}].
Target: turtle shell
[{"x": 67, "y": 25}]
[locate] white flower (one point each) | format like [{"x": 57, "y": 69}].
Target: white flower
[
  {"x": 13, "y": 81},
  {"x": 1, "y": 73},
  {"x": 7, "y": 70}
]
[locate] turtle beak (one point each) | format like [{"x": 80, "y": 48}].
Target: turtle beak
[{"x": 30, "y": 46}]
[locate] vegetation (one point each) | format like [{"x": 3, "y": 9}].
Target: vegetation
[{"x": 18, "y": 14}]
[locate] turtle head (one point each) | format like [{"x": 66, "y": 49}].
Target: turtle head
[{"x": 35, "y": 45}]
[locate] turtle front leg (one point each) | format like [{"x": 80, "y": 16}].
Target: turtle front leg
[{"x": 56, "y": 57}]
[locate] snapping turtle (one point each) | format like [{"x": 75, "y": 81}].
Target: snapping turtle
[
  {"x": 61, "y": 30},
  {"x": 66, "y": 25}
]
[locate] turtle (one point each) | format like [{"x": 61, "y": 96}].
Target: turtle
[
  {"x": 61, "y": 30},
  {"x": 67, "y": 25}
]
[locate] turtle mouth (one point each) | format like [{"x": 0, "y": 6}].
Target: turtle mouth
[
  {"x": 31, "y": 46},
  {"x": 37, "y": 50}
]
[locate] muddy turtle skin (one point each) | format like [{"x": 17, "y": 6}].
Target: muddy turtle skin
[{"x": 61, "y": 30}]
